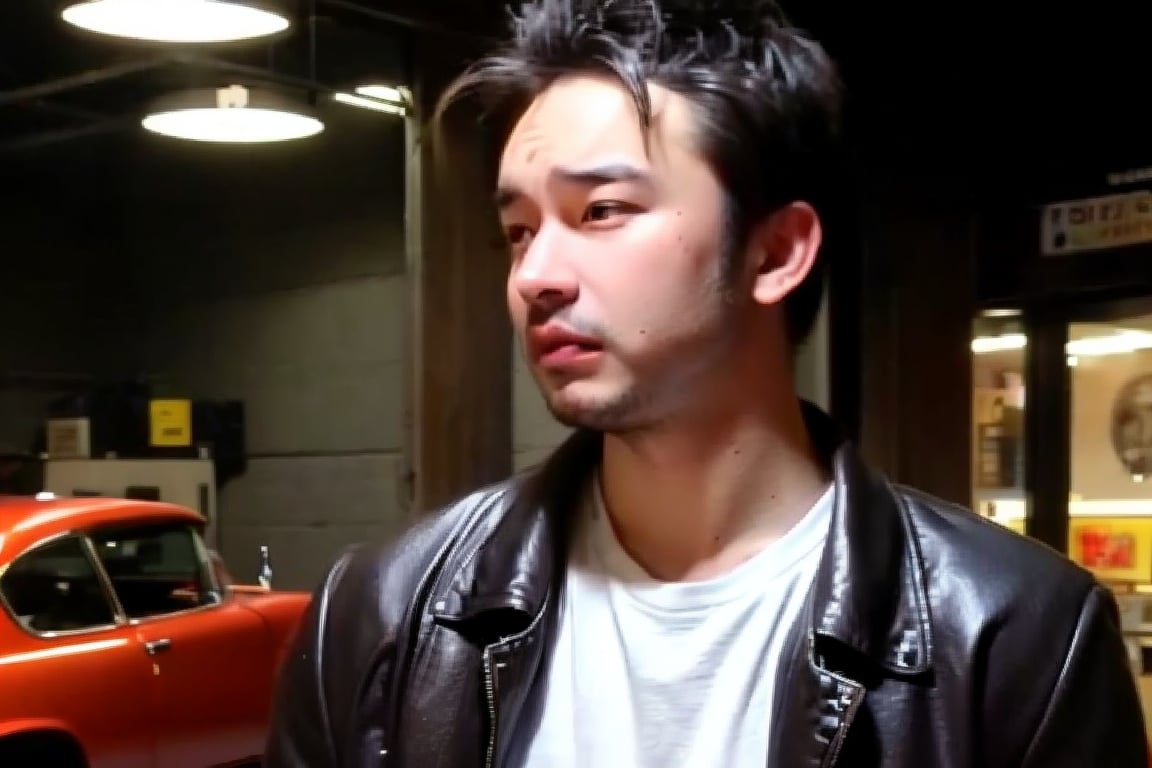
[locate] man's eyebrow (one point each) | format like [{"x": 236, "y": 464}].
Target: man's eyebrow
[
  {"x": 610, "y": 173},
  {"x": 594, "y": 176}
]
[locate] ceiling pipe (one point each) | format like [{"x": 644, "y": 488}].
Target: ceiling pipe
[
  {"x": 81, "y": 80},
  {"x": 263, "y": 74},
  {"x": 34, "y": 94},
  {"x": 47, "y": 138},
  {"x": 64, "y": 110}
]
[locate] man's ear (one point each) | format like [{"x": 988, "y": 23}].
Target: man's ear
[{"x": 784, "y": 248}]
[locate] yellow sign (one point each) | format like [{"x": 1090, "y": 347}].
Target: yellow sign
[
  {"x": 1096, "y": 223},
  {"x": 171, "y": 423},
  {"x": 1113, "y": 548}
]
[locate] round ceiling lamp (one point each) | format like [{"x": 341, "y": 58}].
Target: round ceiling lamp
[
  {"x": 179, "y": 21},
  {"x": 232, "y": 115}
]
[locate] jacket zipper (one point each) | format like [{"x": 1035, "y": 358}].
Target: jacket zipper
[
  {"x": 417, "y": 606},
  {"x": 491, "y": 679},
  {"x": 490, "y": 689},
  {"x": 851, "y": 701}
]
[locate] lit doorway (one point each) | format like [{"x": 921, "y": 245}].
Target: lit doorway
[{"x": 1062, "y": 443}]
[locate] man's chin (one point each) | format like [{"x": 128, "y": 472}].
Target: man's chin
[
  {"x": 566, "y": 408},
  {"x": 599, "y": 411}
]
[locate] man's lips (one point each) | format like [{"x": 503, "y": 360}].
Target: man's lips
[
  {"x": 552, "y": 345},
  {"x": 567, "y": 355}
]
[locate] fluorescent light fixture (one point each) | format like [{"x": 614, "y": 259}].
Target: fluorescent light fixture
[
  {"x": 1017, "y": 509},
  {"x": 179, "y": 21},
  {"x": 1112, "y": 344},
  {"x": 235, "y": 115},
  {"x": 1119, "y": 343},
  {"x": 1004, "y": 342},
  {"x": 993, "y": 313},
  {"x": 383, "y": 93},
  {"x": 367, "y": 103}
]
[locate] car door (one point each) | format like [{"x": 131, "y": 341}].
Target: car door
[
  {"x": 71, "y": 664},
  {"x": 208, "y": 651}
]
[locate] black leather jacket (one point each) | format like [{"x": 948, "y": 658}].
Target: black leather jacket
[{"x": 931, "y": 639}]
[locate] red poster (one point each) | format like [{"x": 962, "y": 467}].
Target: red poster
[{"x": 1102, "y": 548}]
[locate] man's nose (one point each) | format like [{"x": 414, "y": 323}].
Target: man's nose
[{"x": 544, "y": 277}]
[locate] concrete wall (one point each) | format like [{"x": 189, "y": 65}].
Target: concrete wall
[
  {"x": 53, "y": 331},
  {"x": 275, "y": 277}
]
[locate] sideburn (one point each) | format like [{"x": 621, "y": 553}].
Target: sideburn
[{"x": 732, "y": 242}]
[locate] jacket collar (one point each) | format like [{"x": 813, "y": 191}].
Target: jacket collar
[
  {"x": 870, "y": 591},
  {"x": 521, "y": 553},
  {"x": 869, "y": 595}
]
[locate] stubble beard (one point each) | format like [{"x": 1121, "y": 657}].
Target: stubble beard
[
  {"x": 624, "y": 412},
  {"x": 659, "y": 391},
  {"x": 656, "y": 395}
]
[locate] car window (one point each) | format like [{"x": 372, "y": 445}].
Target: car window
[
  {"x": 56, "y": 588},
  {"x": 157, "y": 569}
]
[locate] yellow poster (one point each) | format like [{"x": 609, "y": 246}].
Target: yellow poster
[{"x": 171, "y": 423}]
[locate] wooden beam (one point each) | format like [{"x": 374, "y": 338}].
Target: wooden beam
[
  {"x": 915, "y": 320},
  {"x": 460, "y": 401}
]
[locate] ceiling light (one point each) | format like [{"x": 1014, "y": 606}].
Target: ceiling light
[
  {"x": 179, "y": 21},
  {"x": 234, "y": 114},
  {"x": 1002, "y": 343},
  {"x": 382, "y": 92},
  {"x": 1119, "y": 343},
  {"x": 1003, "y": 312},
  {"x": 366, "y": 103},
  {"x": 382, "y": 98},
  {"x": 1113, "y": 344}
]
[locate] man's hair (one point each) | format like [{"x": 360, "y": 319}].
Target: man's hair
[{"x": 767, "y": 96}]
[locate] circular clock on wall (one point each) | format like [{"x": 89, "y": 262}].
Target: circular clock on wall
[{"x": 1132, "y": 425}]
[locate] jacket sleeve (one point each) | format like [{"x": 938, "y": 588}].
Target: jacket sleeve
[
  {"x": 1093, "y": 717},
  {"x": 301, "y": 734}
]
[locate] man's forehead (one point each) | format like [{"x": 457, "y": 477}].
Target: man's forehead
[{"x": 580, "y": 121}]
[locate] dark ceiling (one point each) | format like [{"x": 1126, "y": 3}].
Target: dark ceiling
[
  {"x": 969, "y": 99},
  {"x": 57, "y": 82}
]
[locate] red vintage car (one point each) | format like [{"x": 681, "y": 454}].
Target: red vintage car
[{"x": 124, "y": 642}]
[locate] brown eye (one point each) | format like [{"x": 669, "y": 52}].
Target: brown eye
[{"x": 602, "y": 211}]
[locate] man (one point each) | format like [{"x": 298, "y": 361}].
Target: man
[{"x": 704, "y": 575}]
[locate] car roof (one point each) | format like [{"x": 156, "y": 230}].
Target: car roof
[{"x": 26, "y": 520}]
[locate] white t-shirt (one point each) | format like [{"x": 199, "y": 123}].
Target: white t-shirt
[{"x": 649, "y": 674}]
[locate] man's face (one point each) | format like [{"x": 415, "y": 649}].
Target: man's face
[{"x": 616, "y": 284}]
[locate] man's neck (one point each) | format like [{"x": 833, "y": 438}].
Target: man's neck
[{"x": 694, "y": 502}]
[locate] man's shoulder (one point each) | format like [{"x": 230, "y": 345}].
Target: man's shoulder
[
  {"x": 379, "y": 570},
  {"x": 970, "y": 550}
]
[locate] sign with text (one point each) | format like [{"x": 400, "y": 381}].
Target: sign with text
[
  {"x": 171, "y": 423},
  {"x": 1096, "y": 223}
]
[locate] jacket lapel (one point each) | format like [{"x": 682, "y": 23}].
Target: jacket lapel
[
  {"x": 867, "y": 614},
  {"x": 502, "y": 594},
  {"x": 813, "y": 710},
  {"x": 870, "y": 592}
]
